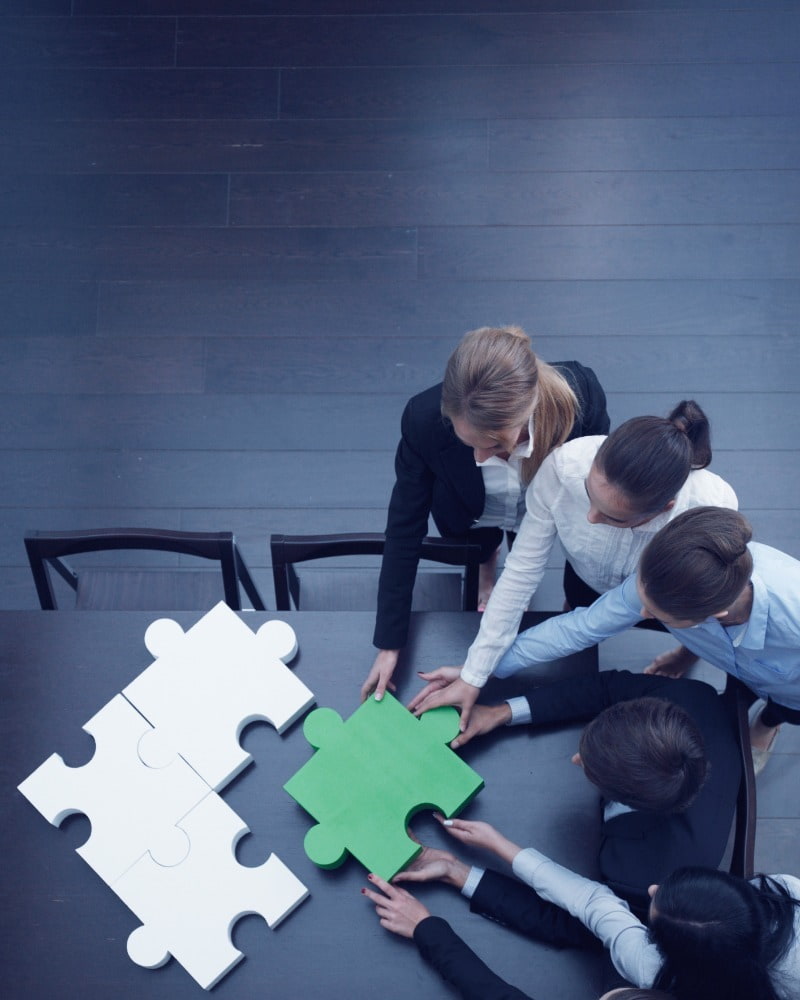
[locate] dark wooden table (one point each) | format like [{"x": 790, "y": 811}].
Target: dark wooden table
[{"x": 65, "y": 931}]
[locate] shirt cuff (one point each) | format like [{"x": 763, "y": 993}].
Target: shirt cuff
[
  {"x": 520, "y": 711},
  {"x": 473, "y": 677},
  {"x": 474, "y": 877}
]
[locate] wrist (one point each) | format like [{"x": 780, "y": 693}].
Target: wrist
[
  {"x": 457, "y": 873},
  {"x": 502, "y": 714}
]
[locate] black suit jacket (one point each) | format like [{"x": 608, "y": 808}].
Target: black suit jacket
[
  {"x": 455, "y": 962},
  {"x": 437, "y": 475},
  {"x": 637, "y": 849}
]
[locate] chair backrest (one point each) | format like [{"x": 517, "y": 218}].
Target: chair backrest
[
  {"x": 286, "y": 550},
  {"x": 47, "y": 550},
  {"x": 738, "y": 698}
]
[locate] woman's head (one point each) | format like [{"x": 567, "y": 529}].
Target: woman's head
[
  {"x": 491, "y": 378},
  {"x": 646, "y": 461},
  {"x": 492, "y": 385},
  {"x": 646, "y": 753},
  {"x": 696, "y": 566},
  {"x": 719, "y": 934}
]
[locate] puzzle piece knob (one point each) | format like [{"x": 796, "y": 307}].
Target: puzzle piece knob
[
  {"x": 145, "y": 950},
  {"x": 278, "y": 639},
  {"x": 321, "y": 725},
  {"x": 323, "y": 849},
  {"x": 163, "y": 635},
  {"x": 441, "y": 724}
]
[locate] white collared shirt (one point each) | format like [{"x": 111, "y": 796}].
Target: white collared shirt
[
  {"x": 603, "y": 556},
  {"x": 504, "y": 506}
]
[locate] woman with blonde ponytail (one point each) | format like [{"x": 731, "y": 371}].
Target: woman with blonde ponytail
[{"x": 469, "y": 448}]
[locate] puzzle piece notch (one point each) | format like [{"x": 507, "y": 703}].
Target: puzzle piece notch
[
  {"x": 208, "y": 683},
  {"x": 371, "y": 774},
  {"x": 188, "y": 911},
  {"x": 131, "y": 808}
]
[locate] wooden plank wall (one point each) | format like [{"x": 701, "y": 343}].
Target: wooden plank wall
[{"x": 235, "y": 236}]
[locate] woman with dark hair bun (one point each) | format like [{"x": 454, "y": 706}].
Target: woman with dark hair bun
[
  {"x": 732, "y": 602},
  {"x": 604, "y": 498}
]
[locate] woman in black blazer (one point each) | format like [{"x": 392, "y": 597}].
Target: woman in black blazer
[{"x": 497, "y": 401}]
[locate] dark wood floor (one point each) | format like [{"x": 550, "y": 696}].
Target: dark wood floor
[{"x": 235, "y": 235}]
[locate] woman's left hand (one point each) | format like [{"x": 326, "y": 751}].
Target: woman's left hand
[{"x": 398, "y": 911}]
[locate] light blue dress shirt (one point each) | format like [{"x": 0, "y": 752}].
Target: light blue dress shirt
[{"x": 764, "y": 652}]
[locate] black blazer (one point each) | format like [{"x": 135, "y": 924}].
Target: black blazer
[
  {"x": 639, "y": 849},
  {"x": 437, "y": 475},
  {"x": 458, "y": 964}
]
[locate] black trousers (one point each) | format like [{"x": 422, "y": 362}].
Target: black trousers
[
  {"x": 489, "y": 539},
  {"x": 774, "y": 714}
]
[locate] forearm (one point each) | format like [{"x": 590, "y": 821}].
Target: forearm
[
  {"x": 458, "y": 964},
  {"x": 563, "y": 635},
  {"x": 513, "y": 904},
  {"x": 598, "y": 909},
  {"x": 510, "y": 599}
]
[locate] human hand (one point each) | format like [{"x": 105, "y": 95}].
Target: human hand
[
  {"x": 483, "y": 719},
  {"x": 475, "y": 833},
  {"x": 433, "y": 865},
  {"x": 446, "y": 689},
  {"x": 379, "y": 677},
  {"x": 397, "y": 910},
  {"x": 437, "y": 680},
  {"x": 673, "y": 664}
]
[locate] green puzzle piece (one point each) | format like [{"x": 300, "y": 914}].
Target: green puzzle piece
[{"x": 371, "y": 774}]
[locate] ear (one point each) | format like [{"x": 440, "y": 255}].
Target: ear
[{"x": 669, "y": 506}]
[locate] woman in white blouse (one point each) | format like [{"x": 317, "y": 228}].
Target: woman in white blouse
[{"x": 604, "y": 498}]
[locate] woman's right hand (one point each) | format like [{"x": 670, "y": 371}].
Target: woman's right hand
[{"x": 380, "y": 676}]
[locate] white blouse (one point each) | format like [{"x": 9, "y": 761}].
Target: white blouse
[{"x": 603, "y": 556}]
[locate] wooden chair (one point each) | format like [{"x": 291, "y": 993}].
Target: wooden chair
[
  {"x": 352, "y": 590},
  {"x": 739, "y": 698},
  {"x": 175, "y": 589}
]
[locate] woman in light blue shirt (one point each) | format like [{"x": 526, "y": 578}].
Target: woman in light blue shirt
[{"x": 733, "y": 602}]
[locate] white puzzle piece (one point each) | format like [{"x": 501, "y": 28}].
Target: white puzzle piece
[
  {"x": 208, "y": 683},
  {"x": 188, "y": 911},
  {"x": 132, "y": 808}
]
